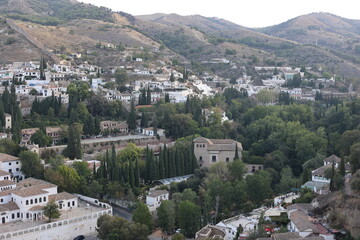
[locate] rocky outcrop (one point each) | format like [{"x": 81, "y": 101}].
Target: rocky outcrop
[{"x": 341, "y": 210}]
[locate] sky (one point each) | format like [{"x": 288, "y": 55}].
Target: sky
[{"x": 248, "y": 13}]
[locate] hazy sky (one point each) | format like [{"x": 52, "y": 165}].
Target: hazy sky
[{"x": 249, "y": 13}]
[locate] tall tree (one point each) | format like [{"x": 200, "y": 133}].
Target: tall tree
[
  {"x": 111, "y": 228},
  {"x": 131, "y": 121},
  {"x": 31, "y": 165},
  {"x": 189, "y": 218},
  {"x": 148, "y": 96},
  {"x": 166, "y": 216},
  {"x": 142, "y": 215}
]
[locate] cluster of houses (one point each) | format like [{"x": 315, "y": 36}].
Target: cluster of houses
[
  {"x": 302, "y": 225},
  {"x": 319, "y": 181}
]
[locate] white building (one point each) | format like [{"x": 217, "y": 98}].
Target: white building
[
  {"x": 155, "y": 197},
  {"x": 12, "y": 165},
  {"x": 229, "y": 226},
  {"x": 25, "y": 200}
]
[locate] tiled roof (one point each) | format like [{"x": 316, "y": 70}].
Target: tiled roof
[
  {"x": 156, "y": 193},
  {"x": 36, "y": 208},
  {"x": 285, "y": 236},
  {"x": 7, "y": 158},
  {"x": 305, "y": 207},
  {"x": 29, "y": 191},
  {"x": 61, "y": 196},
  {"x": 333, "y": 159},
  {"x": 321, "y": 170},
  {"x": 6, "y": 183},
  {"x": 35, "y": 182},
  {"x": 3, "y": 173},
  {"x": 301, "y": 221},
  {"x": 10, "y": 206}
]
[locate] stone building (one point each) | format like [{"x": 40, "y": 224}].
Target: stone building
[{"x": 211, "y": 151}]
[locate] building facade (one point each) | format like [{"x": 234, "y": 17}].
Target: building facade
[{"x": 211, "y": 151}]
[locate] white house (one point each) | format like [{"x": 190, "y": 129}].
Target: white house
[
  {"x": 300, "y": 223},
  {"x": 25, "y": 200},
  {"x": 12, "y": 165},
  {"x": 155, "y": 197},
  {"x": 230, "y": 225}
]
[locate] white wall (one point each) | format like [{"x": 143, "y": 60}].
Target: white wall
[{"x": 59, "y": 230}]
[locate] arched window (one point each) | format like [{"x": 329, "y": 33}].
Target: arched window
[{"x": 27, "y": 202}]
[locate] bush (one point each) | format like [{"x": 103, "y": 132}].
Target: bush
[{"x": 10, "y": 41}]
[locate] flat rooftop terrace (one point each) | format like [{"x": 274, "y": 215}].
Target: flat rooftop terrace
[{"x": 83, "y": 209}]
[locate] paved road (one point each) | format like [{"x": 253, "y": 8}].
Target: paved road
[
  {"x": 120, "y": 212},
  {"x": 113, "y": 139}
]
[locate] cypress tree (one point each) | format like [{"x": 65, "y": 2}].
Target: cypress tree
[
  {"x": 148, "y": 96},
  {"x": 2, "y": 114},
  {"x": 177, "y": 163},
  {"x": 167, "y": 98},
  {"x": 153, "y": 167},
  {"x": 236, "y": 152},
  {"x": 172, "y": 164},
  {"x": 137, "y": 173},
  {"x": 131, "y": 175},
  {"x": 342, "y": 167},
  {"x": 127, "y": 172},
  {"x": 166, "y": 162},
  {"x": 78, "y": 147},
  {"x": 6, "y": 100},
  {"x": 147, "y": 164},
  {"x": 144, "y": 120},
  {"x": 161, "y": 165},
  {"x": 131, "y": 121}
]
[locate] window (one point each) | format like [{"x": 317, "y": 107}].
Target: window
[
  {"x": 253, "y": 169},
  {"x": 17, "y": 163},
  {"x": 27, "y": 202},
  {"x": 10, "y": 170},
  {"x": 17, "y": 169},
  {"x": 18, "y": 215},
  {"x": 9, "y": 163},
  {"x": 44, "y": 199},
  {"x": 35, "y": 200},
  {"x": 200, "y": 159},
  {"x": 40, "y": 199},
  {"x": 259, "y": 167},
  {"x": 13, "y": 215},
  {"x": 2, "y": 200},
  {"x": 31, "y": 201},
  {"x": 213, "y": 158},
  {"x": 68, "y": 204},
  {"x": 227, "y": 159},
  {"x": 73, "y": 203}
]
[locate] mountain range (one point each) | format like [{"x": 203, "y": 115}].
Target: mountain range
[{"x": 322, "y": 40}]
